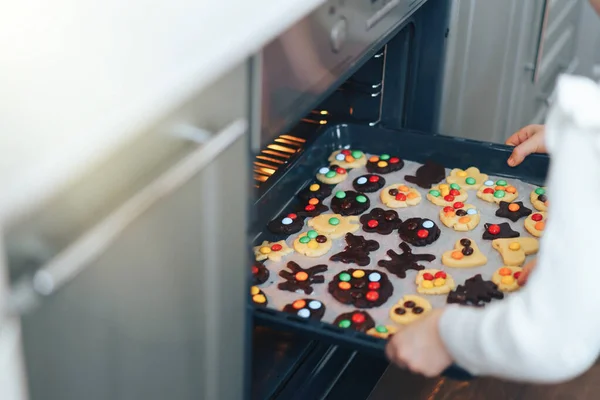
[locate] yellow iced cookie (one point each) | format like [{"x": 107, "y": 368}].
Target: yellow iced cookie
[
  {"x": 409, "y": 309},
  {"x": 382, "y": 331},
  {"x": 447, "y": 194},
  {"x": 506, "y": 278},
  {"x": 348, "y": 158},
  {"x": 514, "y": 250},
  {"x": 332, "y": 175},
  {"x": 334, "y": 225},
  {"x": 461, "y": 217},
  {"x": 536, "y": 223},
  {"x": 495, "y": 192},
  {"x": 273, "y": 251},
  {"x": 466, "y": 254},
  {"x": 312, "y": 244},
  {"x": 539, "y": 199},
  {"x": 399, "y": 195},
  {"x": 470, "y": 178},
  {"x": 434, "y": 281}
]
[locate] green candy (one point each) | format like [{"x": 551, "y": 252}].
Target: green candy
[
  {"x": 330, "y": 174},
  {"x": 501, "y": 182},
  {"x": 340, "y": 194},
  {"x": 540, "y": 191},
  {"x": 345, "y": 323},
  {"x": 312, "y": 234},
  {"x": 361, "y": 199},
  {"x": 381, "y": 329},
  {"x": 470, "y": 181},
  {"x": 304, "y": 239},
  {"x": 455, "y": 185},
  {"x": 345, "y": 277},
  {"x": 357, "y": 154},
  {"x": 334, "y": 221},
  {"x": 435, "y": 193},
  {"x": 499, "y": 194},
  {"x": 384, "y": 157}
]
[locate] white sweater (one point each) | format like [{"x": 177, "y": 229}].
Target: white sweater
[{"x": 550, "y": 330}]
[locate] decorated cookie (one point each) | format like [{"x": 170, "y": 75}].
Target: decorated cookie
[
  {"x": 312, "y": 244},
  {"x": 368, "y": 183},
  {"x": 495, "y": 192},
  {"x": 499, "y": 231},
  {"x": 398, "y": 195},
  {"x": 358, "y": 320},
  {"x": 384, "y": 164},
  {"x": 434, "y": 281},
  {"x": 536, "y": 223},
  {"x": 475, "y": 292},
  {"x": 427, "y": 174},
  {"x": 409, "y": 309},
  {"x": 447, "y": 194},
  {"x": 400, "y": 263},
  {"x": 258, "y": 297},
  {"x": 460, "y": 216},
  {"x": 357, "y": 250},
  {"x": 539, "y": 199},
  {"x": 380, "y": 221},
  {"x": 349, "y": 202},
  {"x": 334, "y": 225},
  {"x": 315, "y": 190},
  {"x": 348, "y": 158},
  {"x": 300, "y": 279},
  {"x": 470, "y": 178},
  {"x": 419, "y": 231},
  {"x": 273, "y": 251},
  {"x": 306, "y": 308},
  {"x": 506, "y": 278},
  {"x": 362, "y": 288},
  {"x": 312, "y": 208},
  {"x": 513, "y": 251},
  {"x": 260, "y": 273},
  {"x": 286, "y": 224},
  {"x": 382, "y": 331},
  {"x": 513, "y": 211},
  {"x": 466, "y": 254},
  {"x": 332, "y": 175}
]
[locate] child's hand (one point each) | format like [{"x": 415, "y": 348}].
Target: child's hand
[
  {"x": 522, "y": 280},
  {"x": 419, "y": 347},
  {"x": 527, "y": 140}
]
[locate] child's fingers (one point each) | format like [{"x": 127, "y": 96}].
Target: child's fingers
[
  {"x": 522, "y": 279},
  {"x": 524, "y": 149},
  {"x": 523, "y": 134}
]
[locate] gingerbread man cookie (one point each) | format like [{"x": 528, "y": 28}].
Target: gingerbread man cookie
[
  {"x": 446, "y": 195},
  {"x": 384, "y": 164},
  {"x": 273, "y": 251},
  {"x": 475, "y": 292},
  {"x": 513, "y": 251},
  {"x": 506, "y": 278},
  {"x": 400, "y": 263},
  {"x": 286, "y": 224},
  {"x": 382, "y": 331},
  {"x": 466, "y": 254},
  {"x": 306, "y": 308},
  {"x": 332, "y": 175},
  {"x": 357, "y": 251},
  {"x": 434, "y": 281},
  {"x": 315, "y": 190},
  {"x": 312, "y": 244},
  {"x": 470, "y": 178},
  {"x": 409, "y": 309},
  {"x": 398, "y": 195},
  {"x": 513, "y": 211},
  {"x": 362, "y": 288},
  {"x": 539, "y": 199},
  {"x": 349, "y": 202},
  {"x": 368, "y": 183},
  {"x": 300, "y": 279},
  {"x": 334, "y": 225},
  {"x": 348, "y": 158},
  {"x": 358, "y": 320},
  {"x": 460, "y": 216},
  {"x": 427, "y": 174},
  {"x": 258, "y": 297},
  {"x": 536, "y": 223},
  {"x": 495, "y": 192}
]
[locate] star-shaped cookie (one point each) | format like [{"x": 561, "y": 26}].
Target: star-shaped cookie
[
  {"x": 513, "y": 211},
  {"x": 499, "y": 231}
]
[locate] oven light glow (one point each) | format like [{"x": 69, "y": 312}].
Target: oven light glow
[
  {"x": 324, "y": 112},
  {"x": 322, "y": 122}
]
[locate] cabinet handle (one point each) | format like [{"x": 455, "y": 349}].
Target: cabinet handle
[{"x": 539, "y": 52}]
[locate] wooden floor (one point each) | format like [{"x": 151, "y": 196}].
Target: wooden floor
[{"x": 398, "y": 384}]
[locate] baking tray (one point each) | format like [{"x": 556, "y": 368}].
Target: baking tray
[{"x": 279, "y": 195}]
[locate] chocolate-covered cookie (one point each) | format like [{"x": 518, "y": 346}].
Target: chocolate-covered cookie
[
  {"x": 357, "y": 250},
  {"x": 358, "y": 320},
  {"x": 475, "y": 292},
  {"x": 419, "y": 231},
  {"x": 258, "y": 297},
  {"x": 260, "y": 273},
  {"x": 312, "y": 208},
  {"x": 301, "y": 279},
  {"x": 349, "y": 202},
  {"x": 427, "y": 174},
  {"x": 317, "y": 190},
  {"x": 384, "y": 164},
  {"x": 400, "y": 263},
  {"x": 513, "y": 211},
  {"x": 306, "y": 308},
  {"x": 499, "y": 231},
  {"x": 380, "y": 221},
  {"x": 286, "y": 224},
  {"x": 363, "y": 288},
  {"x": 368, "y": 183}
]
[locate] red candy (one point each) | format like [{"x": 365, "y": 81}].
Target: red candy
[
  {"x": 422, "y": 233},
  {"x": 448, "y": 209},
  {"x": 374, "y": 285},
  {"x": 372, "y": 296},
  {"x": 454, "y": 192},
  {"x": 254, "y": 270},
  {"x": 427, "y": 276},
  {"x": 494, "y": 229},
  {"x": 292, "y": 216},
  {"x": 276, "y": 247},
  {"x": 517, "y": 274},
  {"x": 440, "y": 274},
  {"x": 488, "y": 190},
  {"x": 449, "y": 197},
  {"x": 309, "y": 207},
  {"x": 346, "y": 152},
  {"x": 373, "y": 178},
  {"x": 537, "y": 217},
  {"x": 340, "y": 171},
  {"x": 372, "y": 223},
  {"x": 394, "y": 160},
  {"x": 401, "y": 197},
  {"x": 358, "y": 318},
  {"x": 458, "y": 205}
]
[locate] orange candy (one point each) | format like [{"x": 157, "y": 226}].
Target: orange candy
[
  {"x": 374, "y": 159},
  {"x": 450, "y": 214},
  {"x": 403, "y": 188},
  {"x": 513, "y": 207},
  {"x": 505, "y": 272},
  {"x": 301, "y": 276},
  {"x": 298, "y": 304},
  {"x": 314, "y": 201},
  {"x": 500, "y": 188},
  {"x": 464, "y": 220},
  {"x": 349, "y": 158},
  {"x": 411, "y": 195},
  {"x": 511, "y": 189},
  {"x": 457, "y": 255},
  {"x": 540, "y": 225},
  {"x": 344, "y": 285}
]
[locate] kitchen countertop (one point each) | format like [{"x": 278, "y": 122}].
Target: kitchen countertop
[{"x": 79, "y": 77}]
